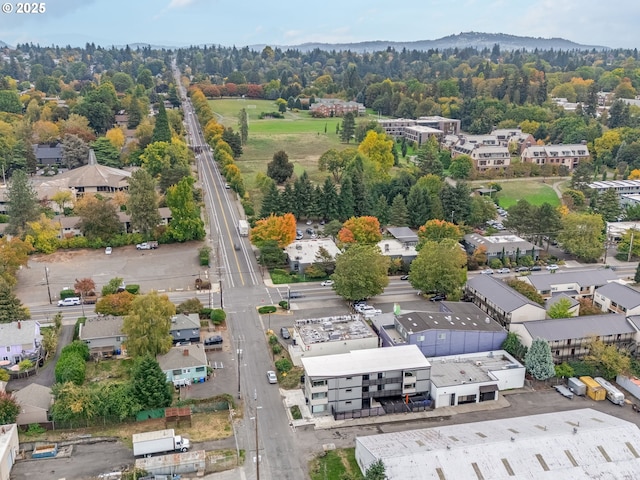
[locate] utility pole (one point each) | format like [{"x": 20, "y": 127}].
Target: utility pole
[
  {"x": 239, "y": 355},
  {"x": 633, "y": 231},
  {"x": 46, "y": 275}
]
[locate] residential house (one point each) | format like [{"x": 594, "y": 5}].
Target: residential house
[
  {"x": 500, "y": 246},
  {"x": 68, "y": 226},
  {"x": 616, "y": 297},
  {"x": 569, "y": 338},
  {"x": 103, "y": 335},
  {"x": 474, "y": 377},
  {"x": 357, "y": 380},
  {"x": 502, "y": 302},
  {"x": 442, "y": 333},
  {"x": 568, "y": 156},
  {"x": 9, "y": 449},
  {"x": 19, "y": 341},
  {"x": 574, "y": 305},
  {"x": 185, "y": 364},
  {"x": 571, "y": 444},
  {"x": 404, "y": 235},
  {"x": 511, "y": 136},
  {"x": 313, "y": 337},
  {"x": 575, "y": 284},
  {"x": 393, "y": 249},
  {"x": 35, "y": 402},
  {"x": 185, "y": 327},
  {"x": 303, "y": 253},
  {"x": 47, "y": 155}
]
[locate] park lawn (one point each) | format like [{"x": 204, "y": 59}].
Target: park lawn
[
  {"x": 534, "y": 191},
  {"x": 335, "y": 464}
]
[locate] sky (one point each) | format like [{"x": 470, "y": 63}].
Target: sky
[{"x": 176, "y": 23}]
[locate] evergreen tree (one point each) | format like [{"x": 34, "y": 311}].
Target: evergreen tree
[
  {"x": 234, "y": 140},
  {"x": 398, "y": 214},
  {"x": 287, "y": 199},
  {"x": 271, "y": 202},
  {"x": 381, "y": 210},
  {"x": 608, "y": 205},
  {"x": 172, "y": 96},
  {"x": 244, "y": 126},
  {"x": 636, "y": 277},
  {"x": 135, "y": 113},
  {"x": 360, "y": 194},
  {"x": 315, "y": 208},
  {"x": 143, "y": 202},
  {"x": 330, "y": 202},
  {"x": 161, "y": 130},
  {"x": 456, "y": 202},
  {"x": 302, "y": 196},
  {"x": 418, "y": 205},
  {"x": 11, "y": 309},
  {"x": 347, "y": 203},
  {"x": 376, "y": 471},
  {"x": 428, "y": 158},
  {"x": 22, "y": 204},
  {"x": 149, "y": 384},
  {"x": 539, "y": 361},
  {"x": 348, "y": 127},
  {"x": 280, "y": 168}
]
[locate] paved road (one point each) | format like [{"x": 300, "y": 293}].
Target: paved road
[{"x": 243, "y": 288}]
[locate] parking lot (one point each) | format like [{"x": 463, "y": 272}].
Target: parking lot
[{"x": 169, "y": 268}]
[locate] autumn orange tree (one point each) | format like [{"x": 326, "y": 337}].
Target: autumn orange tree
[
  {"x": 13, "y": 253},
  {"x": 364, "y": 230},
  {"x": 437, "y": 230},
  {"x": 85, "y": 287},
  {"x": 115, "y": 304},
  {"x": 281, "y": 229}
]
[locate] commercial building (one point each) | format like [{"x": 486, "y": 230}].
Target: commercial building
[
  {"x": 9, "y": 449},
  {"x": 302, "y": 253},
  {"x": 484, "y": 157},
  {"x": 622, "y": 187},
  {"x": 315, "y": 337},
  {"x": 473, "y": 378},
  {"x": 358, "y": 380},
  {"x": 573, "y": 444},
  {"x": 501, "y": 246}
]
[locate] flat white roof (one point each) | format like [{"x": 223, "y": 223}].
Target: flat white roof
[
  {"x": 574, "y": 444},
  {"x": 365, "y": 361}
]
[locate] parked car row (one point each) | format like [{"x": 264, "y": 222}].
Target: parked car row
[{"x": 536, "y": 268}]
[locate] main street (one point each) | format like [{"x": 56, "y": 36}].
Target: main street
[{"x": 242, "y": 290}]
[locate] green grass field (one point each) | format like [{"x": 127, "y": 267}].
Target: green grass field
[
  {"x": 303, "y": 139},
  {"x": 534, "y": 191}
]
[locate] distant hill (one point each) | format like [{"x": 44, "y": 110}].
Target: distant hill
[{"x": 460, "y": 41}]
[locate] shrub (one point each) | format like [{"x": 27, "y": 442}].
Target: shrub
[
  {"x": 279, "y": 271},
  {"x": 204, "y": 255},
  {"x": 34, "y": 430},
  {"x": 77, "y": 347},
  {"x": 132, "y": 289},
  {"x": 218, "y": 316},
  {"x": 296, "y": 414},
  {"x": 70, "y": 368},
  {"x": 206, "y": 312},
  {"x": 276, "y": 349},
  {"x": 267, "y": 309},
  {"x": 284, "y": 365},
  {"x": 273, "y": 340},
  {"x": 67, "y": 292},
  {"x": 284, "y": 304},
  {"x": 495, "y": 263}
]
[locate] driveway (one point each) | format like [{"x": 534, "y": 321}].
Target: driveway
[{"x": 46, "y": 375}]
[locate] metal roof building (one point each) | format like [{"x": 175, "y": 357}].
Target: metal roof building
[{"x": 575, "y": 444}]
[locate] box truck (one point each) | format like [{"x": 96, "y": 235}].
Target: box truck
[
  {"x": 159, "y": 441},
  {"x": 577, "y": 387},
  {"x": 595, "y": 391},
  {"x": 243, "y": 228},
  {"x": 613, "y": 394}
]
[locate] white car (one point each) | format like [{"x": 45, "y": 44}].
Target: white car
[
  {"x": 369, "y": 309},
  {"x": 552, "y": 267},
  {"x": 487, "y": 271},
  {"x": 503, "y": 270},
  {"x": 327, "y": 283},
  {"x": 69, "y": 302},
  {"x": 108, "y": 251},
  {"x": 272, "y": 377}
]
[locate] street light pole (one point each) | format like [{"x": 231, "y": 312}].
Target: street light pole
[
  {"x": 239, "y": 354},
  {"x": 46, "y": 275}
]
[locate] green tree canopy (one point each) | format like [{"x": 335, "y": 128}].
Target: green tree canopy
[
  {"x": 582, "y": 235},
  {"x": 148, "y": 324},
  {"x": 352, "y": 280},
  {"x": 22, "y": 204},
  {"x": 161, "y": 130},
  {"x": 149, "y": 384},
  {"x": 440, "y": 267},
  {"x": 280, "y": 168},
  {"x": 538, "y": 360},
  {"x": 143, "y": 202},
  {"x": 560, "y": 309},
  {"x": 186, "y": 223}
]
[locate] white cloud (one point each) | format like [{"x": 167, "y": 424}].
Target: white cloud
[{"x": 180, "y": 3}]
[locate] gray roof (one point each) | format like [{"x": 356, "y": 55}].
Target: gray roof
[
  {"x": 91, "y": 175},
  {"x": 101, "y": 327},
  {"x": 623, "y": 295},
  {"x": 579, "y": 327},
  {"x": 404, "y": 234},
  {"x": 420, "y": 321},
  {"x": 586, "y": 278},
  {"x": 185, "y": 321},
  {"x": 498, "y": 243},
  {"x": 467, "y": 309},
  {"x": 176, "y": 357},
  {"x": 43, "y": 152},
  {"x": 18, "y": 333},
  {"x": 558, "y": 296},
  {"x": 35, "y": 395},
  {"x": 501, "y": 294}
]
